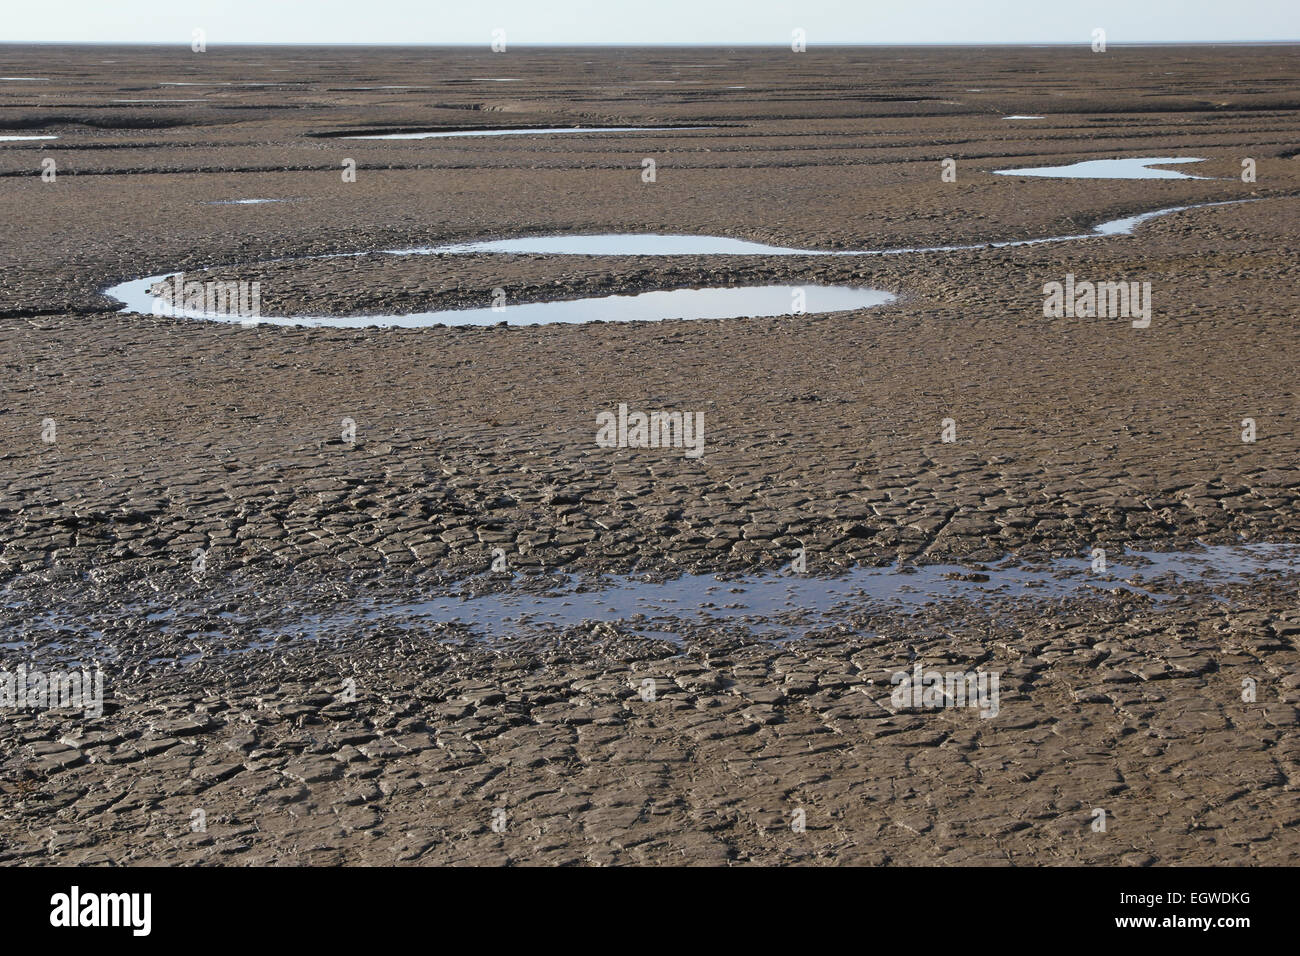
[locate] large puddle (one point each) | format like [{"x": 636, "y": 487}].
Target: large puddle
[
  {"x": 610, "y": 244},
  {"x": 741, "y": 302},
  {"x": 136, "y": 294},
  {"x": 1134, "y": 168},
  {"x": 498, "y": 608},
  {"x": 645, "y": 244},
  {"x": 789, "y": 605},
  {"x": 773, "y": 605}
]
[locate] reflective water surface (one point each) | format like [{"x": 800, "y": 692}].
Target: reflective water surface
[
  {"x": 1134, "y": 168},
  {"x": 668, "y": 304},
  {"x": 527, "y": 132},
  {"x": 722, "y": 303},
  {"x": 787, "y": 604}
]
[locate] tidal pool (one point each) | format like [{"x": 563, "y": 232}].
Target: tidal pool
[
  {"x": 653, "y": 244},
  {"x": 775, "y": 605},
  {"x": 241, "y": 202},
  {"x": 1133, "y": 168},
  {"x": 528, "y": 132},
  {"x": 786, "y": 604},
  {"x": 717, "y": 303},
  {"x": 610, "y": 244},
  {"x": 724, "y": 303}
]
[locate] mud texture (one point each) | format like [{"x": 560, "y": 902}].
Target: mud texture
[{"x": 391, "y": 741}]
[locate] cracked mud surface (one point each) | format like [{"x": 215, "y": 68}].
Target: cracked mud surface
[{"x": 822, "y": 432}]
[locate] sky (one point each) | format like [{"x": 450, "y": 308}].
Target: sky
[{"x": 722, "y": 22}]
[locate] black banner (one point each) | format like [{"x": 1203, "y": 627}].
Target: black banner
[{"x": 142, "y": 906}]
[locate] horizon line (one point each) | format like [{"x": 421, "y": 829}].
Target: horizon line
[{"x": 602, "y": 44}]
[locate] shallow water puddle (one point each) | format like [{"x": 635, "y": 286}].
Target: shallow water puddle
[
  {"x": 15, "y": 139},
  {"x": 241, "y": 202},
  {"x": 611, "y": 244},
  {"x": 530, "y": 132},
  {"x": 1019, "y": 117},
  {"x": 791, "y": 604},
  {"x": 647, "y": 244},
  {"x": 774, "y": 605},
  {"x": 741, "y": 302},
  {"x": 1133, "y": 168},
  {"x": 649, "y": 306}
]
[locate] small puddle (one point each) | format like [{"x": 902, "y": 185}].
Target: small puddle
[
  {"x": 1134, "y": 168},
  {"x": 241, "y": 202},
  {"x": 529, "y": 132},
  {"x": 15, "y": 139},
  {"x": 1018, "y": 117}
]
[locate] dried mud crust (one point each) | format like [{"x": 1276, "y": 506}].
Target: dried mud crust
[
  {"x": 407, "y": 749},
  {"x": 822, "y": 432}
]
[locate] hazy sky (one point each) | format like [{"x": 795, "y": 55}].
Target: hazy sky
[{"x": 649, "y": 21}]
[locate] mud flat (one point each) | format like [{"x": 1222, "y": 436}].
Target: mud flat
[{"x": 271, "y": 593}]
